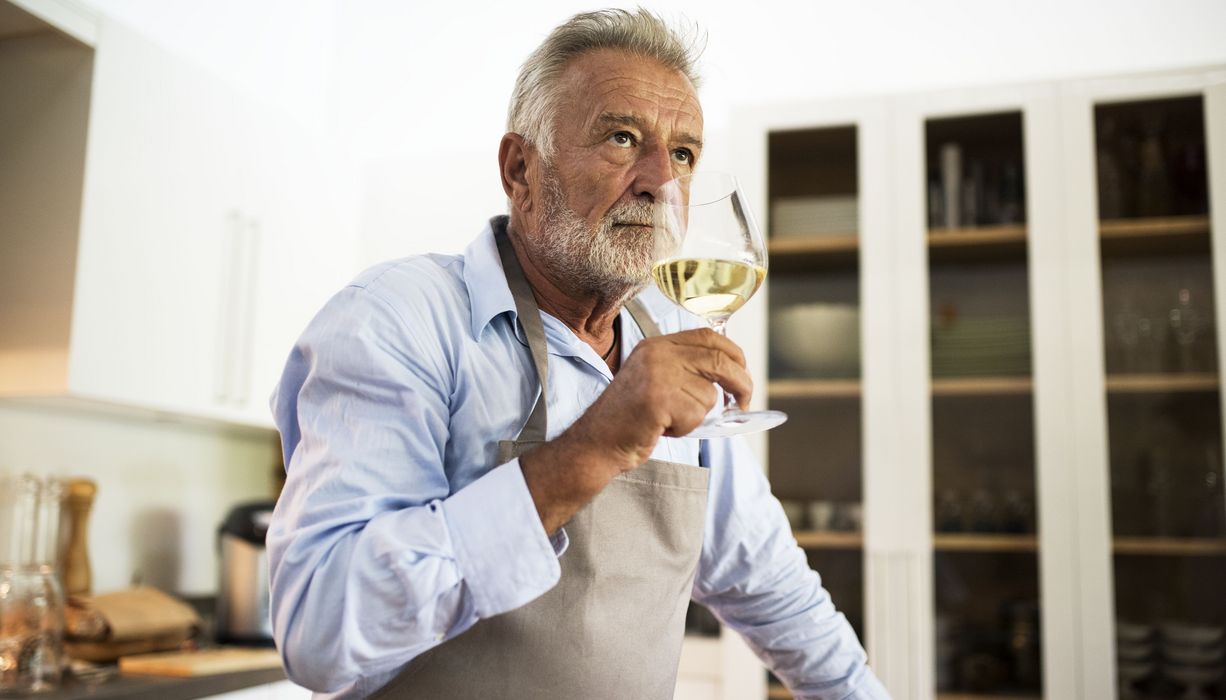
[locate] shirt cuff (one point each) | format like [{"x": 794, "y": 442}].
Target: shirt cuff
[{"x": 491, "y": 517}]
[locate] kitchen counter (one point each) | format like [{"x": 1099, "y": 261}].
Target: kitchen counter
[
  {"x": 141, "y": 687},
  {"x": 132, "y": 687}
]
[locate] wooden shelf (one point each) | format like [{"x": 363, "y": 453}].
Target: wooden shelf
[
  {"x": 982, "y": 386},
  {"x": 1165, "y": 235},
  {"x": 814, "y": 389},
  {"x": 984, "y": 696},
  {"x": 1161, "y": 383},
  {"x": 960, "y": 542},
  {"x": 810, "y": 539},
  {"x": 1165, "y": 546},
  {"x": 832, "y": 251},
  {"x": 1170, "y": 546},
  {"x": 774, "y": 691},
  {"x": 977, "y": 244}
]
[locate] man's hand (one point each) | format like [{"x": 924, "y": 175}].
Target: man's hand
[{"x": 665, "y": 387}]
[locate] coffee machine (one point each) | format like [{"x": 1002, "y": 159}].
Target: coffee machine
[{"x": 242, "y": 594}]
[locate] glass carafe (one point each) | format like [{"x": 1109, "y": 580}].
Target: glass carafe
[{"x": 31, "y": 597}]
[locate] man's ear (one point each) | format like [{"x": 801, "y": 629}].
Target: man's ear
[{"x": 514, "y": 154}]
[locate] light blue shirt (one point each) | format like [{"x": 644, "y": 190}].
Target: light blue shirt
[{"x": 396, "y": 531}]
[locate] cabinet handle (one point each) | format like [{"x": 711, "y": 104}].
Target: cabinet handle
[{"x": 223, "y": 362}]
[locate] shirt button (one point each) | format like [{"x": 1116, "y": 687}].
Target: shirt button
[{"x": 439, "y": 637}]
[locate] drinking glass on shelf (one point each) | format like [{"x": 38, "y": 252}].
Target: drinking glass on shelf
[
  {"x": 710, "y": 259},
  {"x": 1126, "y": 323},
  {"x": 1185, "y": 324}
]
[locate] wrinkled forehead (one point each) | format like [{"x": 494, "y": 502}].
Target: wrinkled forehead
[{"x": 612, "y": 82}]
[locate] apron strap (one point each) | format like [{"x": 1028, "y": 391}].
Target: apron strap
[
  {"x": 529, "y": 314},
  {"x": 639, "y": 313}
]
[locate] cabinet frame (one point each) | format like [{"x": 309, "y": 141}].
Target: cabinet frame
[
  {"x": 1074, "y": 539},
  {"x": 1090, "y": 539}
]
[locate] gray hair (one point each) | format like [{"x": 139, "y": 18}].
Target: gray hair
[{"x": 535, "y": 99}]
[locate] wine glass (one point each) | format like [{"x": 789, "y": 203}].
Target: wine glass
[
  {"x": 1185, "y": 322},
  {"x": 710, "y": 259}
]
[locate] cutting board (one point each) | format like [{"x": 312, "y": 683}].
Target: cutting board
[{"x": 203, "y": 662}]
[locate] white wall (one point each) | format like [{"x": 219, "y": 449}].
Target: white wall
[{"x": 163, "y": 487}]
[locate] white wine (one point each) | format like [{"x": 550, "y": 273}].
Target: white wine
[{"x": 710, "y": 288}]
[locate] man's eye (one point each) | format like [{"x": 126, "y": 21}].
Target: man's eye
[
  {"x": 622, "y": 138},
  {"x": 683, "y": 155}
]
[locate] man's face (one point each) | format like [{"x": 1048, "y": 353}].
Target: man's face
[{"x": 624, "y": 126}]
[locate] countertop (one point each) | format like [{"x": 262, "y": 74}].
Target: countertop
[{"x": 139, "y": 687}]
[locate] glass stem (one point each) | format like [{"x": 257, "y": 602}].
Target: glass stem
[{"x": 720, "y": 325}]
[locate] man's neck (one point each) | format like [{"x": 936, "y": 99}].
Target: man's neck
[{"x": 589, "y": 315}]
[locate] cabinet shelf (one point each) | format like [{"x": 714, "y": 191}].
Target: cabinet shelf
[
  {"x": 1164, "y": 235},
  {"x": 983, "y": 696},
  {"x": 981, "y": 386},
  {"x": 960, "y": 542},
  {"x": 775, "y": 691},
  {"x": 814, "y": 388},
  {"x": 977, "y": 244},
  {"x": 988, "y": 386},
  {"x": 815, "y": 252},
  {"x": 810, "y": 539},
  {"x": 1161, "y": 383},
  {"x": 1170, "y": 546}
]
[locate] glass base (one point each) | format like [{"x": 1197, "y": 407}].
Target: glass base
[{"x": 736, "y": 422}]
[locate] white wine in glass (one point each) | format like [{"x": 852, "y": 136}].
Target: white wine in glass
[
  {"x": 710, "y": 288},
  {"x": 710, "y": 259}
]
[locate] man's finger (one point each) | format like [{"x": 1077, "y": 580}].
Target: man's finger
[{"x": 707, "y": 338}]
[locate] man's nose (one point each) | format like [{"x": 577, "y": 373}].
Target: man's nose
[{"x": 653, "y": 169}]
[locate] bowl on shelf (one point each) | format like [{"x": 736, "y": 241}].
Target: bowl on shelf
[
  {"x": 1135, "y": 651},
  {"x": 1132, "y": 632},
  {"x": 817, "y": 339},
  {"x": 1191, "y": 635},
  {"x": 1193, "y": 655}
]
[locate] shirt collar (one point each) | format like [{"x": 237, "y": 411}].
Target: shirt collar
[{"x": 488, "y": 292}]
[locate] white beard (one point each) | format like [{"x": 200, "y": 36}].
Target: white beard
[{"x": 610, "y": 263}]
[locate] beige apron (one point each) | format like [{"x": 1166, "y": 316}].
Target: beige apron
[{"x": 612, "y": 627}]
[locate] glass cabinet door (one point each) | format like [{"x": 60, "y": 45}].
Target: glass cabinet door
[
  {"x": 1164, "y": 418},
  {"x": 814, "y": 358},
  {"x": 985, "y": 567}
]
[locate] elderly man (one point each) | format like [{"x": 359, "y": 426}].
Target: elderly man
[{"x": 490, "y": 493}]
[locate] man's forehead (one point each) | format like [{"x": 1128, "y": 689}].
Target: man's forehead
[{"x": 610, "y": 81}]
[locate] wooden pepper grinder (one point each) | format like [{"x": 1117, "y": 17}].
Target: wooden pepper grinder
[{"x": 78, "y": 500}]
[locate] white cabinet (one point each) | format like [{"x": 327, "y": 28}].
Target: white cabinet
[
  {"x": 714, "y": 668},
  {"x": 206, "y": 233},
  {"x": 1035, "y": 421},
  {"x": 159, "y": 227}
]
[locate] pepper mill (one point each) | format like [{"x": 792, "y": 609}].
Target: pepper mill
[{"x": 78, "y": 501}]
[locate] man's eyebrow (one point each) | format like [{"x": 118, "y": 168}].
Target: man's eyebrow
[{"x": 609, "y": 120}]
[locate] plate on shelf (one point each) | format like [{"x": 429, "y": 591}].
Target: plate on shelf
[{"x": 793, "y": 217}]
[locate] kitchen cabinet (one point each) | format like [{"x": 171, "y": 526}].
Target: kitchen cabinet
[
  {"x": 191, "y": 231},
  {"x": 992, "y": 319}
]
